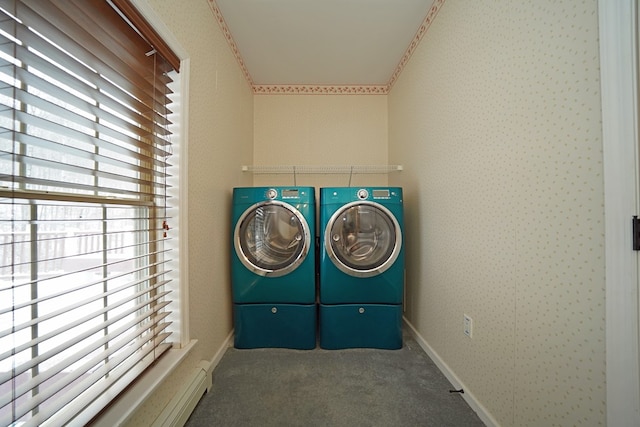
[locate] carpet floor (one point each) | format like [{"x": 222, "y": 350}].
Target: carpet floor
[{"x": 353, "y": 387}]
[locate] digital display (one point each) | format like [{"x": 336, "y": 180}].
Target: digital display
[
  {"x": 290, "y": 193},
  {"x": 380, "y": 193}
]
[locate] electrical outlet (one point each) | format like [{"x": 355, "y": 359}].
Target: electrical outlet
[{"x": 468, "y": 326}]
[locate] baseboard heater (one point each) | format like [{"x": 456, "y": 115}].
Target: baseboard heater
[{"x": 177, "y": 412}]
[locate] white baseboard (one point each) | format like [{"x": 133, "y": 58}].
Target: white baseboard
[
  {"x": 228, "y": 342},
  {"x": 471, "y": 400}
]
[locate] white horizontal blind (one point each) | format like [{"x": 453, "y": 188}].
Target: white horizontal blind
[{"x": 84, "y": 163}]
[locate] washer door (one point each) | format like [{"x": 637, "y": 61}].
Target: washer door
[
  {"x": 272, "y": 238},
  {"x": 363, "y": 239}
]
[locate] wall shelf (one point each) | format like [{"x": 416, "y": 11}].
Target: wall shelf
[{"x": 355, "y": 169}]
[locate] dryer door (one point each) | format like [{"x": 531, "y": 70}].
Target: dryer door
[
  {"x": 363, "y": 239},
  {"x": 272, "y": 238}
]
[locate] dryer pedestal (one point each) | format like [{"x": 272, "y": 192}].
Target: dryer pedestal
[
  {"x": 361, "y": 326},
  {"x": 275, "y": 326}
]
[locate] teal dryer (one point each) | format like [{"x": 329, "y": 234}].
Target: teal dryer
[
  {"x": 273, "y": 274},
  {"x": 362, "y": 267}
]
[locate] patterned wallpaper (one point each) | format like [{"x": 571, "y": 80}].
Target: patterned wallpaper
[
  {"x": 320, "y": 130},
  {"x": 496, "y": 119}
]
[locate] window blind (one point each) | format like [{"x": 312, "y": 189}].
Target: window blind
[{"x": 85, "y": 147}]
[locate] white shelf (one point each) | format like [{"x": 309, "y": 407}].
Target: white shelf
[{"x": 355, "y": 169}]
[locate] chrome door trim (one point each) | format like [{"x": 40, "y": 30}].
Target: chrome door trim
[
  {"x": 363, "y": 272},
  {"x": 289, "y": 267}
]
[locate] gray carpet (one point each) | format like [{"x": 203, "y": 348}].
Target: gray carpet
[{"x": 354, "y": 387}]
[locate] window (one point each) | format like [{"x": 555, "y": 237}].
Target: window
[{"x": 85, "y": 201}]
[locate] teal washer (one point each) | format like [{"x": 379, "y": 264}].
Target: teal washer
[
  {"x": 273, "y": 245},
  {"x": 273, "y": 266}
]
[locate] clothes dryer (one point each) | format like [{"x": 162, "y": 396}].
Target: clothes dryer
[
  {"x": 362, "y": 253},
  {"x": 273, "y": 275},
  {"x": 361, "y": 267}
]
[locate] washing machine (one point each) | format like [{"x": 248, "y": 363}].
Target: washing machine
[
  {"x": 273, "y": 272},
  {"x": 361, "y": 280}
]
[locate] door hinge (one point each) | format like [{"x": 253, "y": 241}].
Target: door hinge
[{"x": 636, "y": 233}]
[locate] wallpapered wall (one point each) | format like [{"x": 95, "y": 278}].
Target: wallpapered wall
[
  {"x": 220, "y": 137},
  {"x": 320, "y": 130},
  {"x": 496, "y": 119}
]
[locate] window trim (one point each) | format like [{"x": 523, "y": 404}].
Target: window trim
[
  {"x": 618, "y": 32},
  {"x": 154, "y": 20}
]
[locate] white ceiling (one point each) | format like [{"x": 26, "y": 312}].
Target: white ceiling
[{"x": 321, "y": 42}]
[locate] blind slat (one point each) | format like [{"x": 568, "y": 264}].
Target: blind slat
[
  {"x": 133, "y": 329},
  {"x": 118, "y": 380},
  {"x": 82, "y": 44},
  {"x": 66, "y": 308},
  {"x": 84, "y": 192},
  {"x": 24, "y": 387},
  {"x": 76, "y": 197},
  {"x": 84, "y": 80},
  {"x": 53, "y": 295},
  {"x": 83, "y": 137},
  {"x": 82, "y": 85},
  {"x": 90, "y": 121},
  {"x": 96, "y": 264},
  {"x": 101, "y": 265},
  {"x": 81, "y": 154},
  {"x": 86, "y": 171},
  {"x": 102, "y": 30},
  {"x": 116, "y": 367},
  {"x": 77, "y": 373}
]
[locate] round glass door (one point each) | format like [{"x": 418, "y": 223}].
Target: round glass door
[
  {"x": 272, "y": 238},
  {"x": 363, "y": 239}
]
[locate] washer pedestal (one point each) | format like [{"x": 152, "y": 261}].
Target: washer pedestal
[
  {"x": 275, "y": 325},
  {"x": 361, "y": 326}
]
